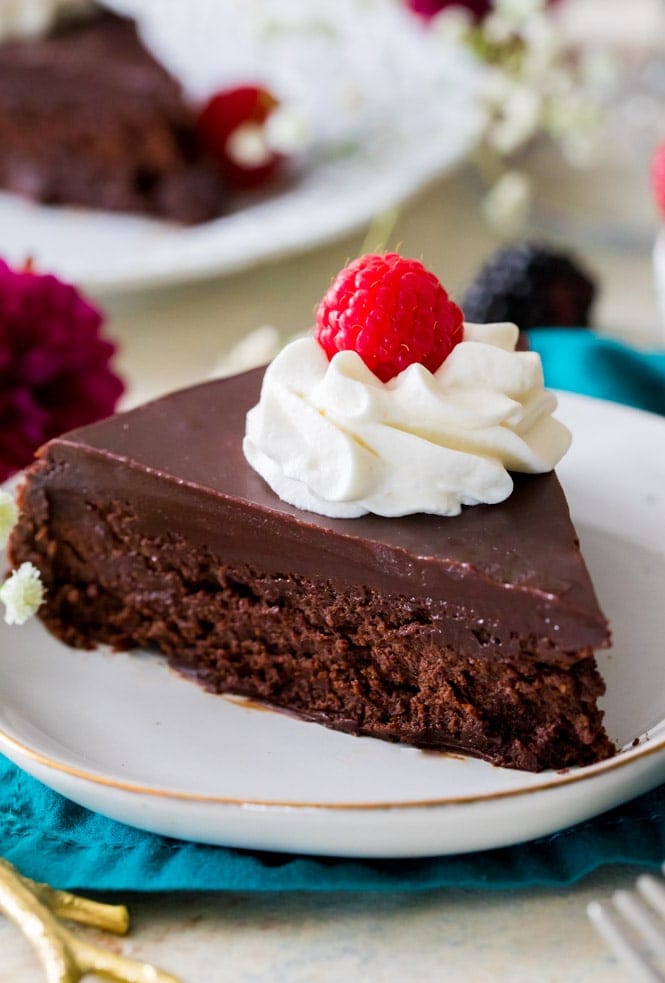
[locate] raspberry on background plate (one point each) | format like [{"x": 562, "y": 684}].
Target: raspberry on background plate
[{"x": 231, "y": 129}]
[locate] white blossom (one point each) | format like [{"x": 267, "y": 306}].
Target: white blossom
[
  {"x": 517, "y": 12},
  {"x": 257, "y": 348},
  {"x": 542, "y": 49},
  {"x": 574, "y": 121},
  {"x": 497, "y": 29},
  {"x": 287, "y": 131},
  {"x": 22, "y": 594},
  {"x": 247, "y": 145},
  {"x": 452, "y": 24},
  {"x": 519, "y": 120},
  {"x": 534, "y": 84},
  {"x": 34, "y": 18},
  {"x": 507, "y": 203}
]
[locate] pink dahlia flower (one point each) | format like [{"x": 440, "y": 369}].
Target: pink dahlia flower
[{"x": 54, "y": 364}]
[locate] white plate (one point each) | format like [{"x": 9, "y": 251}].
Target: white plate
[
  {"x": 125, "y": 736},
  {"x": 395, "y": 145}
]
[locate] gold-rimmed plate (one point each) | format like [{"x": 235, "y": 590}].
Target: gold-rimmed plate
[{"x": 124, "y": 735}]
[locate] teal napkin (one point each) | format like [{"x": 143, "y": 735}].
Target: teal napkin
[
  {"x": 583, "y": 362},
  {"x": 51, "y": 839}
]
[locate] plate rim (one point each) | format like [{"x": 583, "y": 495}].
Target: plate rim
[{"x": 565, "y": 778}]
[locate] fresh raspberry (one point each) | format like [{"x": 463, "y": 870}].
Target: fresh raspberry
[
  {"x": 392, "y": 312},
  {"x": 223, "y": 120},
  {"x": 658, "y": 176}
]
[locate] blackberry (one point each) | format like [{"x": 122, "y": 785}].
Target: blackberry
[{"x": 533, "y": 286}]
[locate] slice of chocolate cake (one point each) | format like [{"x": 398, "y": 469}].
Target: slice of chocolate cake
[
  {"x": 88, "y": 117},
  {"x": 474, "y": 632}
]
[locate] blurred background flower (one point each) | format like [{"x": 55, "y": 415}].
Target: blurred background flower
[
  {"x": 55, "y": 364},
  {"x": 533, "y": 86}
]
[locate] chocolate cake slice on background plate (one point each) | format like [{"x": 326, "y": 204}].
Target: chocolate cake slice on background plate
[
  {"x": 471, "y": 629},
  {"x": 89, "y": 117}
]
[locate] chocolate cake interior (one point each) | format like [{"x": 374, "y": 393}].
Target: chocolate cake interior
[{"x": 474, "y": 633}]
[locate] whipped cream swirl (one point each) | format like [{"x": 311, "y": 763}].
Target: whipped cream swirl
[{"x": 330, "y": 437}]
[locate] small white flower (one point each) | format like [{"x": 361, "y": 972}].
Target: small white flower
[
  {"x": 518, "y": 121},
  {"x": 506, "y": 205},
  {"x": 575, "y": 122},
  {"x": 24, "y": 20},
  {"x": 257, "y": 348},
  {"x": 452, "y": 24},
  {"x": 287, "y": 131},
  {"x": 497, "y": 29},
  {"x": 517, "y": 12},
  {"x": 542, "y": 50},
  {"x": 8, "y": 516},
  {"x": 34, "y": 18},
  {"x": 22, "y": 594},
  {"x": 247, "y": 145}
]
